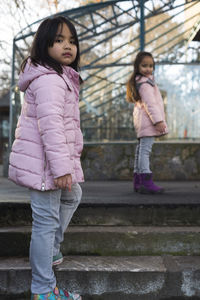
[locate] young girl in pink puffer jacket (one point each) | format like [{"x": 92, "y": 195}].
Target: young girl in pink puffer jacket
[
  {"x": 45, "y": 155},
  {"x": 148, "y": 117}
]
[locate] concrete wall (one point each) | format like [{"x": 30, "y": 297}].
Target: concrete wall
[{"x": 114, "y": 161}]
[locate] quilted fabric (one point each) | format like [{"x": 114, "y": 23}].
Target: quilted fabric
[
  {"x": 150, "y": 110},
  {"x": 48, "y": 139}
]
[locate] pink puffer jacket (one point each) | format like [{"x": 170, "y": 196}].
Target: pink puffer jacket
[
  {"x": 150, "y": 110},
  {"x": 48, "y": 140}
]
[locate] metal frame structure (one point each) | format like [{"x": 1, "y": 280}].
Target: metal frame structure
[{"x": 98, "y": 25}]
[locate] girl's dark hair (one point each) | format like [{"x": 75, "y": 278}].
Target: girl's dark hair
[
  {"x": 132, "y": 94},
  {"x": 45, "y": 38}
]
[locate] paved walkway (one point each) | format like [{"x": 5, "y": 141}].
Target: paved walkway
[{"x": 114, "y": 192}]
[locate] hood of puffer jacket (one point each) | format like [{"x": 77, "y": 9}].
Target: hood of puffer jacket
[
  {"x": 32, "y": 72},
  {"x": 141, "y": 78}
]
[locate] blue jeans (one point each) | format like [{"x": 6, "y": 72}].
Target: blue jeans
[
  {"x": 142, "y": 155},
  {"x": 51, "y": 213}
]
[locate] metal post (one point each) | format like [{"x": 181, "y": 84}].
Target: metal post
[{"x": 142, "y": 25}]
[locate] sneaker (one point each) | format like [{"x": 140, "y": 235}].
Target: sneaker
[
  {"x": 57, "y": 259},
  {"x": 64, "y": 295},
  {"x": 56, "y": 294}
]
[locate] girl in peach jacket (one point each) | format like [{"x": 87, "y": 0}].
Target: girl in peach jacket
[{"x": 148, "y": 117}]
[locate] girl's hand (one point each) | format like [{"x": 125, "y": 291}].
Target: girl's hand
[
  {"x": 64, "y": 182},
  {"x": 160, "y": 127}
]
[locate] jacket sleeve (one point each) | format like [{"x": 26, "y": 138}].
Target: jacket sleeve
[
  {"x": 49, "y": 91},
  {"x": 151, "y": 106}
]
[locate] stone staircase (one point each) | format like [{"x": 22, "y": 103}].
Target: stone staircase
[{"x": 119, "y": 246}]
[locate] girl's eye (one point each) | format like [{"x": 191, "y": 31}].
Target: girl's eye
[
  {"x": 58, "y": 40},
  {"x": 72, "y": 42}
]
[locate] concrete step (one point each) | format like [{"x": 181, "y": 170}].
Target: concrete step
[
  {"x": 113, "y": 203},
  {"x": 115, "y": 214},
  {"x": 110, "y": 240},
  {"x": 105, "y": 278}
]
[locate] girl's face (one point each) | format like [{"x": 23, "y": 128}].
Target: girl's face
[
  {"x": 64, "y": 50},
  {"x": 146, "y": 66}
]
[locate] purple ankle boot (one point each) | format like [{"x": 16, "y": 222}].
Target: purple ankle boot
[
  {"x": 147, "y": 186},
  {"x": 136, "y": 182}
]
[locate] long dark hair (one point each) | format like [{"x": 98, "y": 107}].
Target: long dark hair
[
  {"x": 45, "y": 38},
  {"x": 132, "y": 94}
]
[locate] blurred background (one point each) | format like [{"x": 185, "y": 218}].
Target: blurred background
[{"x": 110, "y": 34}]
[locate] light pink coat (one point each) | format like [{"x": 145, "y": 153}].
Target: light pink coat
[
  {"x": 150, "y": 110},
  {"x": 48, "y": 140}
]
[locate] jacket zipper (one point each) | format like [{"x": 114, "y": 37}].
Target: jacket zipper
[
  {"x": 43, "y": 178},
  {"x": 43, "y": 187}
]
